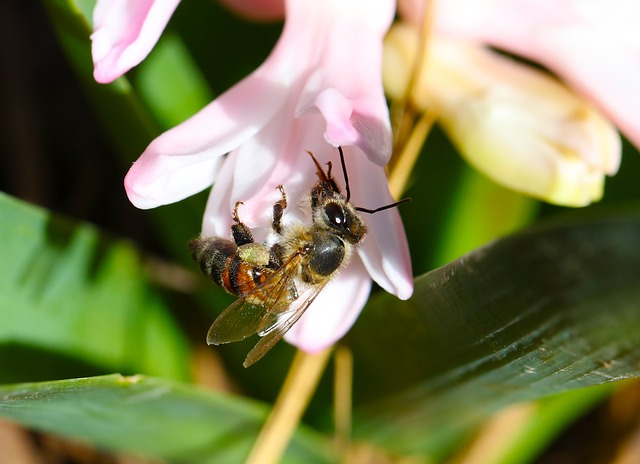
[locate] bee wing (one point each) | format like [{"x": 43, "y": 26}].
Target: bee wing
[
  {"x": 282, "y": 325},
  {"x": 258, "y": 310},
  {"x": 239, "y": 321}
]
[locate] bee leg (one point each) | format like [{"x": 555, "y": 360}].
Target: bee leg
[
  {"x": 276, "y": 256},
  {"x": 278, "y": 210},
  {"x": 241, "y": 233}
]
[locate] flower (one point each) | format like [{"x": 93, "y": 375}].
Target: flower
[
  {"x": 125, "y": 31},
  {"x": 319, "y": 88},
  {"x": 519, "y": 125}
]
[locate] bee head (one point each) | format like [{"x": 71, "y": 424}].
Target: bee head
[
  {"x": 332, "y": 210},
  {"x": 339, "y": 216}
]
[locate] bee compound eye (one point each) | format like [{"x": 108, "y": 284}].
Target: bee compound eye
[{"x": 334, "y": 213}]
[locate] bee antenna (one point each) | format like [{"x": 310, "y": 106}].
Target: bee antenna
[
  {"x": 344, "y": 172},
  {"x": 382, "y": 208}
]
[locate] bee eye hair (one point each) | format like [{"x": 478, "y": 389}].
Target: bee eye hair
[{"x": 334, "y": 214}]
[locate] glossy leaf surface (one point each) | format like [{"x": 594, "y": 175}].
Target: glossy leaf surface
[
  {"x": 151, "y": 416},
  {"x": 544, "y": 311}
]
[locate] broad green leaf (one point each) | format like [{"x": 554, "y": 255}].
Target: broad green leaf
[
  {"x": 70, "y": 291},
  {"x": 541, "y": 312},
  {"x": 151, "y": 416}
]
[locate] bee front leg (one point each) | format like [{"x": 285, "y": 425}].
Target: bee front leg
[
  {"x": 278, "y": 210},
  {"x": 241, "y": 233}
]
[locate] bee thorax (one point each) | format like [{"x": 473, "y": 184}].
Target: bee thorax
[{"x": 327, "y": 256}]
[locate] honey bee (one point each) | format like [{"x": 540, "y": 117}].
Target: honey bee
[{"x": 276, "y": 284}]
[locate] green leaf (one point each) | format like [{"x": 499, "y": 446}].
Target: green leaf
[
  {"x": 68, "y": 290},
  {"x": 151, "y": 416},
  {"x": 552, "y": 309}
]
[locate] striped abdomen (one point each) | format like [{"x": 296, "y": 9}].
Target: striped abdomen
[{"x": 220, "y": 260}]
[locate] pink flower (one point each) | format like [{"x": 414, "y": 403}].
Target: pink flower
[
  {"x": 592, "y": 45},
  {"x": 319, "y": 88},
  {"x": 125, "y": 31},
  {"x": 518, "y": 125}
]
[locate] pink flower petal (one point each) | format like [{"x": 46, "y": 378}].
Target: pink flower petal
[
  {"x": 181, "y": 161},
  {"x": 593, "y": 45},
  {"x": 346, "y": 86},
  {"x": 276, "y": 155},
  {"x": 334, "y": 311},
  {"x": 385, "y": 251},
  {"x": 125, "y": 31},
  {"x": 345, "y": 126}
]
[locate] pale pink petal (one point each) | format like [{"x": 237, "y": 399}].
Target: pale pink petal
[
  {"x": 276, "y": 155},
  {"x": 246, "y": 177},
  {"x": 592, "y": 45},
  {"x": 334, "y": 311},
  {"x": 125, "y": 31},
  {"x": 256, "y": 10},
  {"x": 216, "y": 221},
  {"x": 337, "y": 111},
  {"x": 385, "y": 251},
  {"x": 345, "y": 83},
  {"x": 180, "y": 162},
  {"x": 346, "y": 126},
  {"x": 156, "y": 180}
]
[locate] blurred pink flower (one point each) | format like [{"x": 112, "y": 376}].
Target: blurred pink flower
[
  {"x": 319, "y": 88},
  {"x": 594, "y": 46},
  {"x": 549, "y": 138}
]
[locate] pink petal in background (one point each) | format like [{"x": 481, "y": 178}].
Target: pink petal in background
[
  {"x": 594, "y": 46},
  {"x": 125, "y": 31}
]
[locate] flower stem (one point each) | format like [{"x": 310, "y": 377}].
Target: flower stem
[
  {"x": 300, "y": 384},
  {"x": 411, "y": 131},
  {"x": 401, "y": 169},
  {"x": 343, "y": 386}
]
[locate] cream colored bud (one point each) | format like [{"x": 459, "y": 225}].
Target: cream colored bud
[{"x": 516, "y": 124}]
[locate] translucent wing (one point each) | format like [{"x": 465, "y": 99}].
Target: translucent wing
[
  {"x": 239, "y": 321},
  {"x": 260, "y": 309},
  {"x": 284, "y": 322}
]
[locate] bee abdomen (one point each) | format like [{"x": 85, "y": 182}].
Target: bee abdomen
[
  {"x": 219, "y": 260},
  {"x": 241, "y": 278},
  {"x": 212, "y": 255}
]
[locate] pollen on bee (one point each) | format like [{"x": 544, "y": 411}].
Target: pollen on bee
[{"x": 254, "y": 253}]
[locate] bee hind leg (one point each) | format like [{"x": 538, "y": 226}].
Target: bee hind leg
[
  {"x": 278, "y": 210},
  {"x": 241, "y": 233}
]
